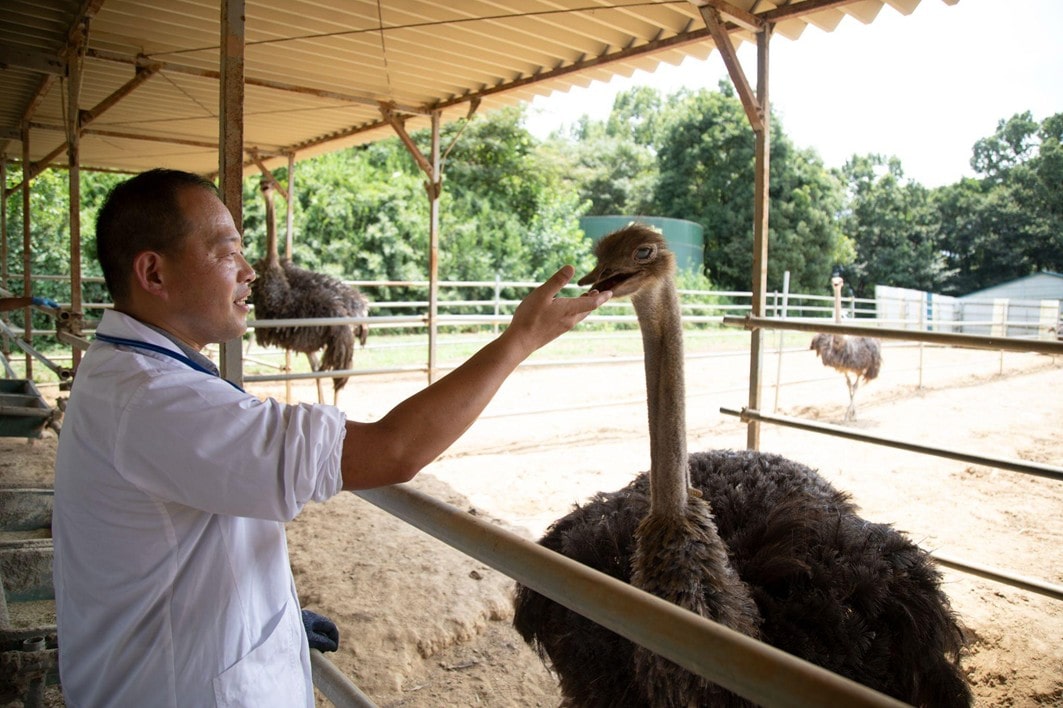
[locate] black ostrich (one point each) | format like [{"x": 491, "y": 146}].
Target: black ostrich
[
  {"x": 855, "y": 357},
  {"x": 285, "y": 291},
  {"x": 788, "y": 559}
]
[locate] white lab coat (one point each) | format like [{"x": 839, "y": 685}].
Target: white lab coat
[{"x": 173, "y": 585}]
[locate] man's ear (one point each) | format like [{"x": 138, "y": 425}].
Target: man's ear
[{"x": 147, "y": 273}]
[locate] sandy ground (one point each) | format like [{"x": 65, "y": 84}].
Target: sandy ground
[{"x": 424, "y": 625}]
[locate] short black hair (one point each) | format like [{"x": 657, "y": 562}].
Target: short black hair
[{"x": 142, "y": 214}]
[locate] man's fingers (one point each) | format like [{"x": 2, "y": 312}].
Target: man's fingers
[{"x": 558, "y": 280}]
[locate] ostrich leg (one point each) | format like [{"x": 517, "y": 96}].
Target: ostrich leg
[
  {"x": 314, "y": 367},
  {"x": 853, "y": 384}
]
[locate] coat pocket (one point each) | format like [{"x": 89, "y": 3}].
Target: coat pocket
[{"x": 270, "y": 675}]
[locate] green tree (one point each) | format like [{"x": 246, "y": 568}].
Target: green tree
[
  {"x": 50, "y": 233},
  {"x": 893, "y": 226},
  {"x": 611, "y": 164},
  {"x": 706, "y": 165},
  {"x": 1009, "y": 222},
  {"x": 363, "y": 212},
  {"x": 506, "y": 210}
]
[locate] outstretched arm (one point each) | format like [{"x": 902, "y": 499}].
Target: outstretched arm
[{"x": 415, "y": 432}]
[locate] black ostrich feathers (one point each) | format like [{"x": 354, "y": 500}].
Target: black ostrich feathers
[
  {"x": 856, "y": 597},
  {"x": 285, "y": 291}
]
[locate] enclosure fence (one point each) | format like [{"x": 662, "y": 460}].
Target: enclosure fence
[{"x": 741, "y": 664}]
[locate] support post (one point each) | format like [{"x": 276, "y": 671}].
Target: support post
[
  {"x": 27, "y": 215},
  {"x": 289, "y": 237},
  {"x": 760, "y": 233},
  {"x": 3, "y": 222},
  {"x": 434, "y": 187},
  {"x": 433, "y": 169},
  {"x": 230, "y": 159},
  {"x": 289, "y": 234},
  {"x": 73, "y": 146},
  {"x": 758, "y": 113}
]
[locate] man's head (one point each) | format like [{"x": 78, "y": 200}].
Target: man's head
[
  {"x": 172, "y": 256},
  {"x": 142, "y": 214}
]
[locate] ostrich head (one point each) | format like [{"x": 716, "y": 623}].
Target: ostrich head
[{"x": 629, "y": 259}]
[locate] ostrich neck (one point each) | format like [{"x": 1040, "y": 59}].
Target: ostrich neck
[
  {"x": 662, "y": 339},
  {"x": 271, "y": 230}
]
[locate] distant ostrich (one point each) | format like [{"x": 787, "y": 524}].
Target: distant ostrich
[
  {"x": 285, "y": 291},
  {"x": 856, "y": 357},
  {"x": 760, "y": 544}
]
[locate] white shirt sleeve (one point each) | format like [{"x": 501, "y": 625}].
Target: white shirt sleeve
[{"x": 196, "y": 440}]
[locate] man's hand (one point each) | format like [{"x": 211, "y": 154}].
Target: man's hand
[{"x": 542, "y": 316}]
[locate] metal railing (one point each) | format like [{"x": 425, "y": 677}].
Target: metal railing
[{"x": 752, "y": 669}]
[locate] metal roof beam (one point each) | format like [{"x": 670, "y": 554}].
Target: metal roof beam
[
  {"x": 40, "y": 62},
  {"x": 86, "y": 117},
  {"x": 267, "y": 173},
  {"x": 168, "y": 66},
  {"x": 143, "y": 73},
  {"x": 132, "y": 136},
  {"x": 745, "y": 20},
  {"x": 399, "y": 125},
  {"x": 789, "y": 12},
  {"x": 88, "y": 10},
  {"x": 715, "y": 24}
]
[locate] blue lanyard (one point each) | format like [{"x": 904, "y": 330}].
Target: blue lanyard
[{"x": 148, "y": 346}]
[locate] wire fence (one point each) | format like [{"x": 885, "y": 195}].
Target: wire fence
[{"x": 470, "y": 313}]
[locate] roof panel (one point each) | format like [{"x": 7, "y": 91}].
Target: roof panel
[{"x": 317, "y": 70}]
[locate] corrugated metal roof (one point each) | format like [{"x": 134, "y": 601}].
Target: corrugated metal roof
[{"x": 317, "y": 72}]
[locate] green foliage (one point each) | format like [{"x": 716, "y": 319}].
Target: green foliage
[
  {"x": 706, "y": 164},
  {"x": 510, "y": 204},
  {"x": 363, "y": 213},
  {"x": 1009, "y": 223},
  {"x": 50, "y": 235},
  {"x": 892, "y": 224}
]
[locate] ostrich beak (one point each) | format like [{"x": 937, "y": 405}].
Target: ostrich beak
[
  {"x": 605, "y": 279},
  {"x": 589, "y": 278}
]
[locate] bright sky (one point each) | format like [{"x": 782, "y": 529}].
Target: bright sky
[{"x": 924, "y": 87}]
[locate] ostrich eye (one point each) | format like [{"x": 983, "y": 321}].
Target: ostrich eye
[{"x": 645, "y": 254}]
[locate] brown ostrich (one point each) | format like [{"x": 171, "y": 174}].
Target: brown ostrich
[
  {"x": 856, "y": 357},
  {"x": 754, "y": 541},
  {"x": 285, "y": 291}
]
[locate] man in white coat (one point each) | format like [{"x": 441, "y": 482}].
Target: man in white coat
[{"x": 173, "y": 585}]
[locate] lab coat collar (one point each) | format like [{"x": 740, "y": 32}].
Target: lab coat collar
[{"x": 119, "y": 324}]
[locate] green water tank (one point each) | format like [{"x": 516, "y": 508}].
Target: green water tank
[{"x": 685, "y": 238}]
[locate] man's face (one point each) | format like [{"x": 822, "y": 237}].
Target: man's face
[{"x": 208, "y": 279}]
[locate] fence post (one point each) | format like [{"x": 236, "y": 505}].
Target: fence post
[
  {"x": 923, "y": 328},
  {"x": 779, "y": 336},
  {"x": 498, "y": 301}
]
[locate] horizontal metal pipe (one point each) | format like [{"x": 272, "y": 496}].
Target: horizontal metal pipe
[
  {"x": 1012, "y": 344},
  {"x": 57, "y": 370},
  {"x": 743, "y": 665},
  {"x": 1040, "y": 587},
  {"x": 327, "y": 321},
  {"x": 334, "y": 684},
  {"x": 1033, "y": 468},
  {"x": 25, "y": 412},
  {"x": 332, "y": 374},
  {"x": 73, "y": 340}
]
